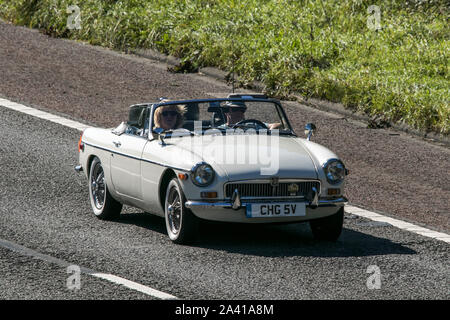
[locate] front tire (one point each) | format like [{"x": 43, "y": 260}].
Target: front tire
[
  {"x": 328, "y": 228},
  {"x": 181, "y": 224},
  {"x": 105, "y": 207}
]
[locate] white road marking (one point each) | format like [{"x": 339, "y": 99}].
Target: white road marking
[
  {"x": 108, "y": 277},
  {"x": 134, "y": 286},
  {"x": 43, "y": 115},
  {"x": 398, "y": 223}
]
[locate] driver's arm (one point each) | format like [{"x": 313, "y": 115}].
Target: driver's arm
[{"x": 272, "y": 126}]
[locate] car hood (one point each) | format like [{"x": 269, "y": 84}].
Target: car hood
[{"x": 243, "y": 157}]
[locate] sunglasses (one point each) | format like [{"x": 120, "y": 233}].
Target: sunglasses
[
  {"x": 234, "y": 109},
  {"x": 171, "y": 113}
]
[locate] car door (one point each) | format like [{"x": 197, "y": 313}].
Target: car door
[
  {"x": 126, "y": 156},
  {"x": 153, "y": 167},
  {"x": 126, "y": 167}
]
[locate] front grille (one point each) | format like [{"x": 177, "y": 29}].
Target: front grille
[{"x": 265, "y": 189}]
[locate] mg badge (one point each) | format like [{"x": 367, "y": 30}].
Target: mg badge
[
  {"x": 274, "y": 182},
  {"x": 293, "y": 189}
]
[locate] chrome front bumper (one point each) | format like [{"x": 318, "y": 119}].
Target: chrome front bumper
[
  {"x": 227, "y": 211},
  {"x": 321, "y": 203}
]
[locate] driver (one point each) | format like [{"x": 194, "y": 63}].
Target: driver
[{"x": 234, "y": 112}]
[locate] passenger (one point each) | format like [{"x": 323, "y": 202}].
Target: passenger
[{"x": 169, "y": 117}]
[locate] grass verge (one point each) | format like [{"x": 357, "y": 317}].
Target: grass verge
[{"x": 387, "y": 59}]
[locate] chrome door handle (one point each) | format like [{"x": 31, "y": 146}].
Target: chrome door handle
[{"x": 117, "y": 143}]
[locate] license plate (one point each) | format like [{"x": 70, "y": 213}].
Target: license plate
[{"x": 270, "y": 210}]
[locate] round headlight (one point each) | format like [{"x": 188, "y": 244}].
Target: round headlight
[
  {"x": 202, "y": 174},
  {"x": 334, "y": 171}
]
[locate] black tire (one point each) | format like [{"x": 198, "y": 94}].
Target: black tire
[
  {"x": 105, "y": 207},
  {"x": 181, "y": 223},
  {"x": 328, "y": 228}
]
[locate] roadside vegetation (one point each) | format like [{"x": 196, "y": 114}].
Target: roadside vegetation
[{"x": 393, "y": 65}]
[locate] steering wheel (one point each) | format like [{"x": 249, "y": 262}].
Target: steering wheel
[{"x": 257, "y": 122}]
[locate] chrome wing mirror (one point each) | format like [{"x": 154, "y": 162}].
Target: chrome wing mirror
[
  {"x": 310, "y": 129},
  {"x": 158, "y": 133}
]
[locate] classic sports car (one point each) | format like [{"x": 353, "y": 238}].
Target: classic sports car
[{"x": 232, "y": 160}]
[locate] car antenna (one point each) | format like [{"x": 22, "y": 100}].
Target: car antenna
[
  {"x": 233, "y": 80},
  {"x": 232, "y": 61}
]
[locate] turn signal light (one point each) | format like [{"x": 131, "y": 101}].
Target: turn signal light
[
  {"x": 334, "y": 191},
  {"x": 80, "y": 144},
  {"x": 182, "y": 176},
  {"x": 209, "y": 194}
]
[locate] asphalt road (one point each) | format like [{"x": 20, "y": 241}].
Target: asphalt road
[
  {"x": 44, "y": 204},
  {"x": 45, "y": 208}
]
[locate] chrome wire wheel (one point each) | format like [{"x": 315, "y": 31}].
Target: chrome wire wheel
[
  {"x": 105, "y": 207},
  {"x": 174, "y": 210},
  {"x": 181, "y": 223},
  {"x": 98, "y": 189}
]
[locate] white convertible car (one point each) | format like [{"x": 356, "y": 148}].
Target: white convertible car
[{"x": 232, "y": 160}]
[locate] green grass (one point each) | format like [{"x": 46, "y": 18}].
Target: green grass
[{"x": 322, "y": 49}]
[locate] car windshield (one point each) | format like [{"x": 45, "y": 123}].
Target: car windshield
[{"x": 240, "y": 115}]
